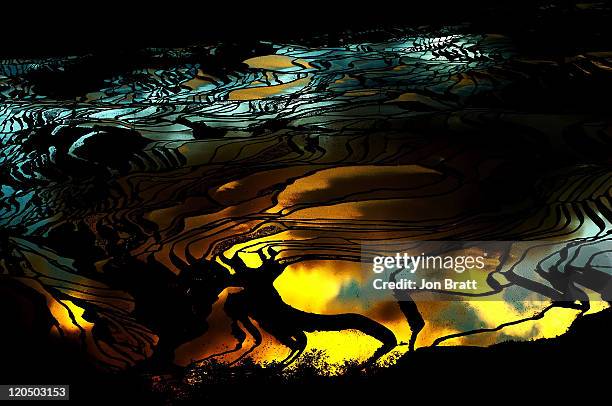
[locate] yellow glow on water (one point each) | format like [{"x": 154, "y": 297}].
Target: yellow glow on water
[
  {"x": 313, "y": 286},
  {"x": 228, "y": 186},
  {"x": 597, "y": 306},
  {"x": 250, "y": 259},
  {"x": 64, "y": 311},
  {"x": 261, "y": 92},
  {"x": 340, "y": 346},
  {"x": 328, "y": 184},
  {"x": 316, "y": 286},
  {"x": 276, "y": 62},
  {"x": 554, "y": 323}
]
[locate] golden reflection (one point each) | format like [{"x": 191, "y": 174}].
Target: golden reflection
[
  {"x": 261, "y": 92},
  {"x": 277, "y": 62}
]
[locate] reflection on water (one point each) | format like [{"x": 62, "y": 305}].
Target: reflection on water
[{"x": 211, "y": 202}]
